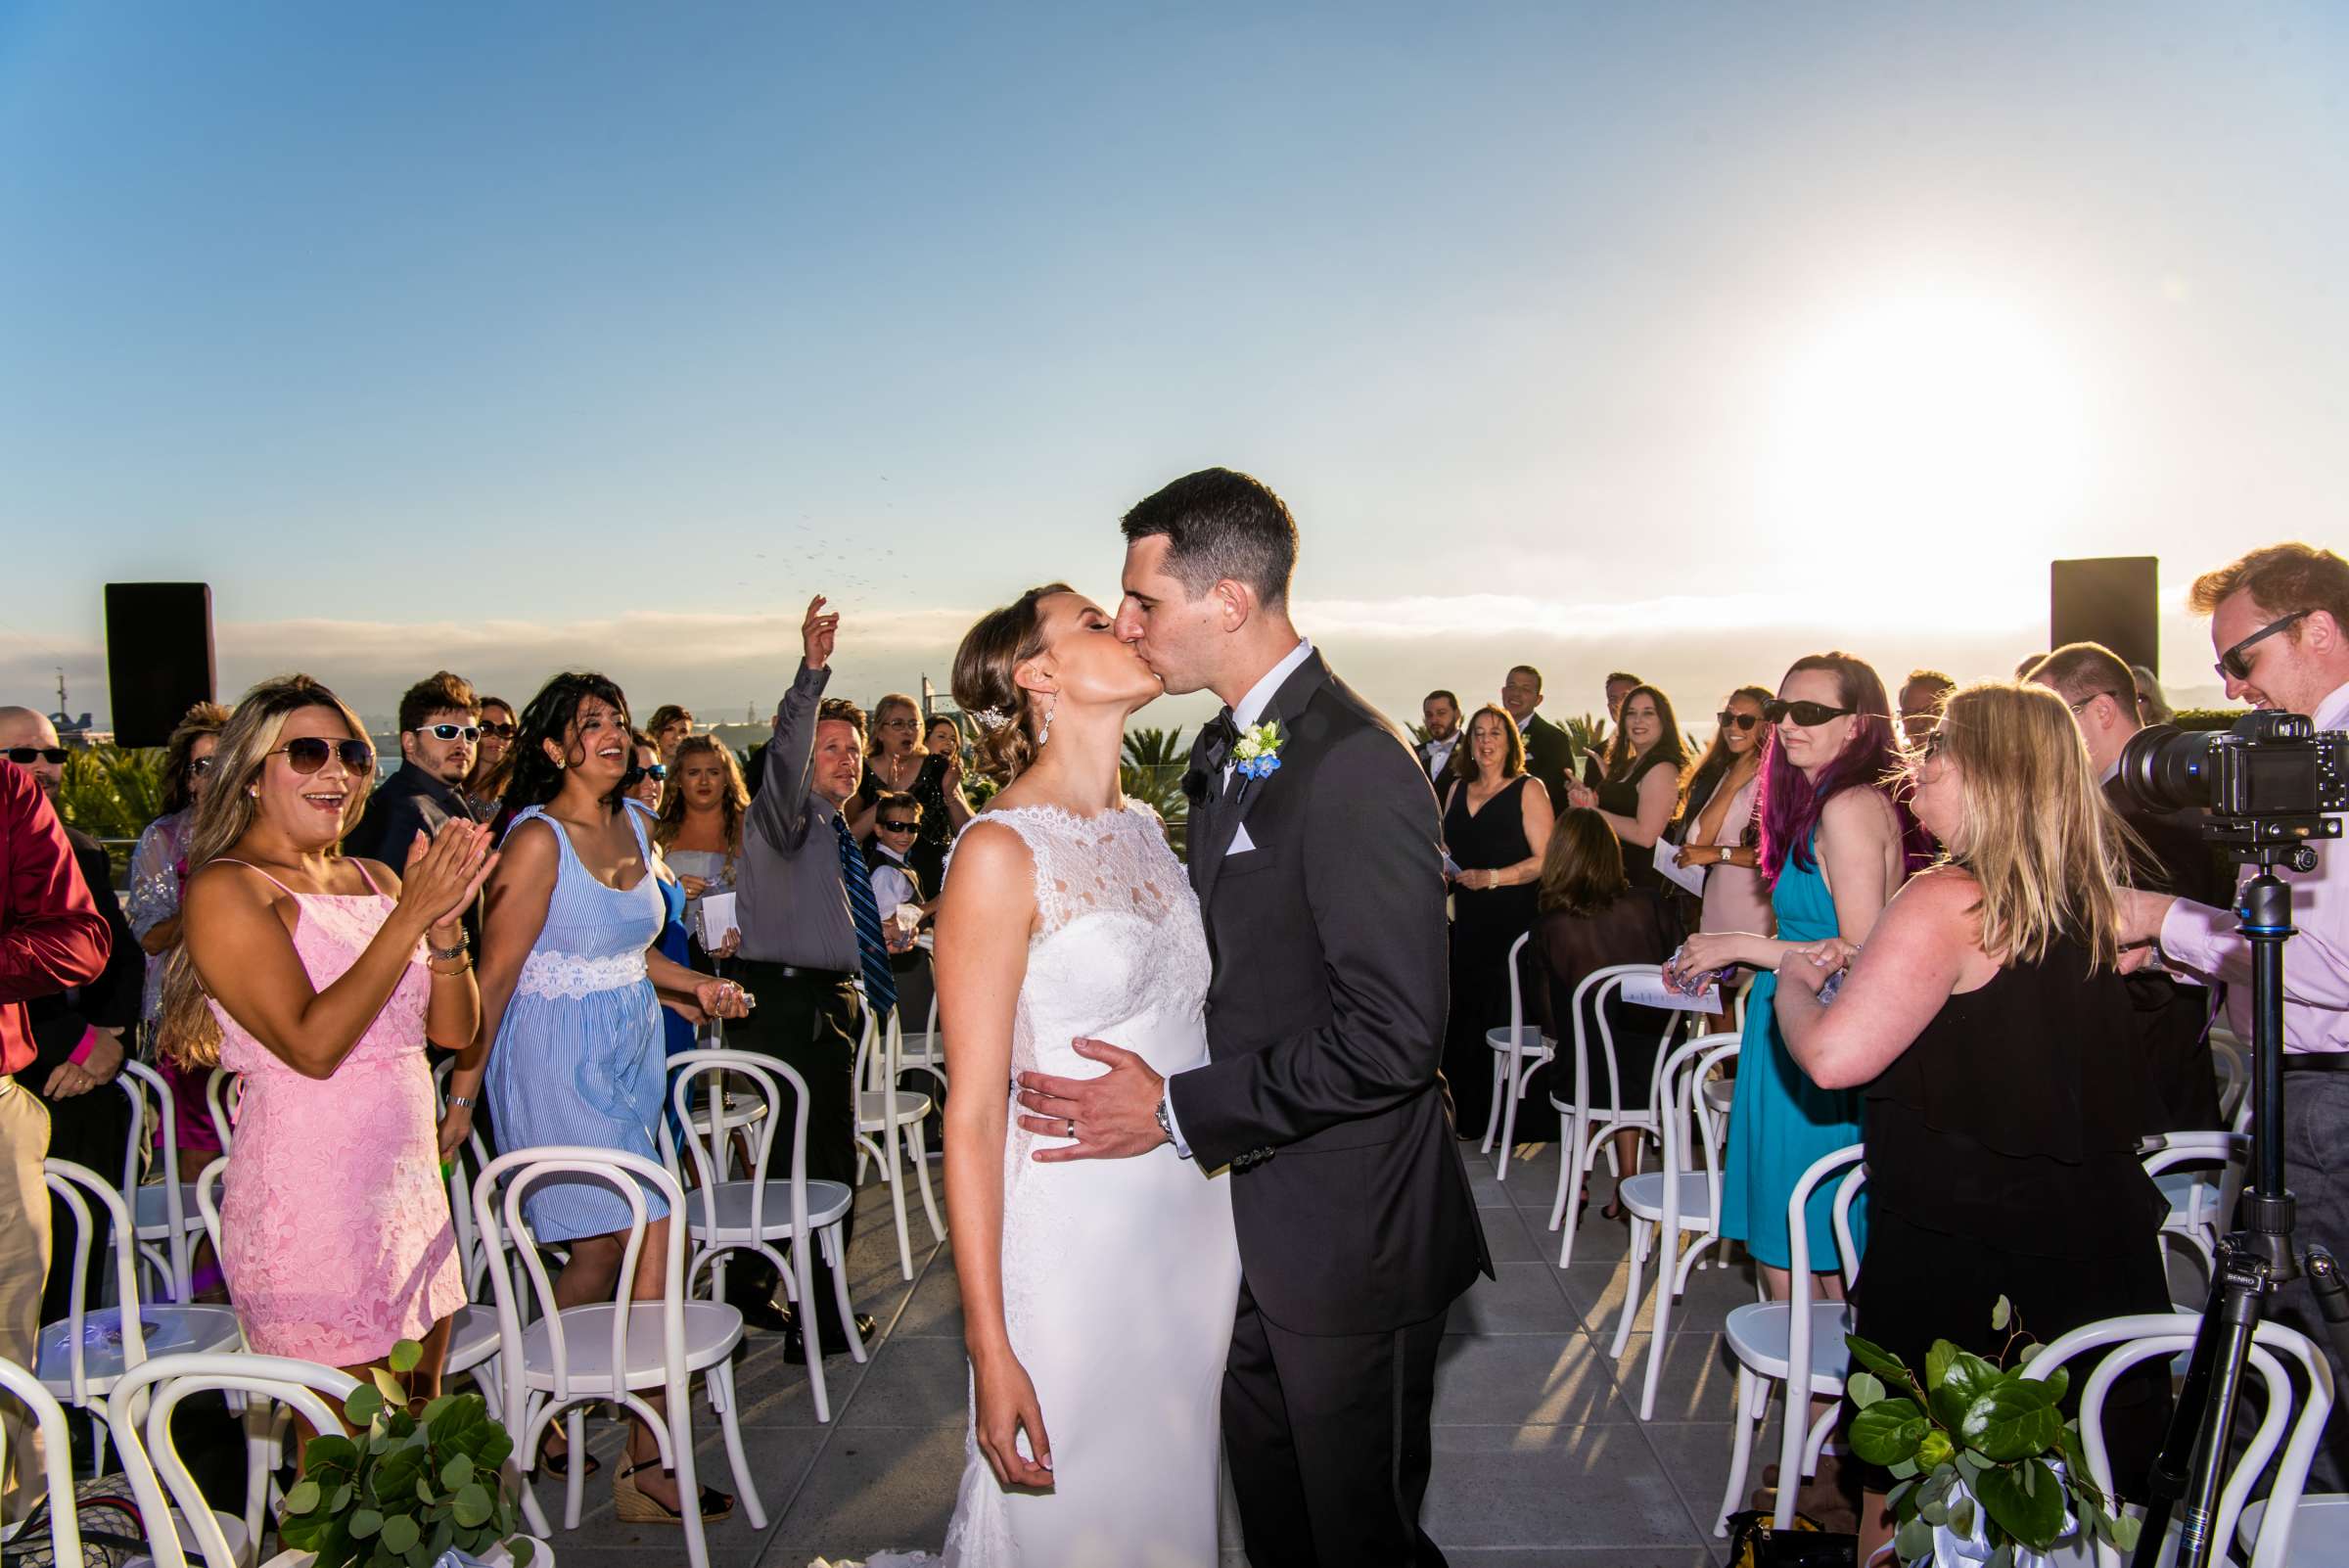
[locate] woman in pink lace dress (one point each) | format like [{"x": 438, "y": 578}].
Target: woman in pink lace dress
[{"x": 319, "y": 979}]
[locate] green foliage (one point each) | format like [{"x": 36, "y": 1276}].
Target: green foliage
[
  {"x": 1152, "y": 770},
  {"x": 1976, "y": 1442},
  {"x": 407, "y": 1487},
  {"x": 111, "y": 793},
  {"x": 2207, "y": 717}
]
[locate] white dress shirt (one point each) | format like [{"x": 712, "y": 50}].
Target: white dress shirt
[
  {"x": 2203, "y": 942},
  {"x": 893, "y": 884},
  {"x": 1437, "y": 754}
]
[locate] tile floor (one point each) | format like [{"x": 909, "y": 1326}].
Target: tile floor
[{"x": 1539, "y": 1454}]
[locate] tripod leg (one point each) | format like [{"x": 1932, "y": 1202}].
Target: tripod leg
[{"x": 2193, "y": 1452}]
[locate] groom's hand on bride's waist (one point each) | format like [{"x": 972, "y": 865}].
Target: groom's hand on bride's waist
[{"x": 1114, "y": 1116}]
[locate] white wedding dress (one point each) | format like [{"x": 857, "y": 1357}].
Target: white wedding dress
[{"x": 1120, "y": 1276}]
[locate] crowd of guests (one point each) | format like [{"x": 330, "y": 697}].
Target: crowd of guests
[
  {"x": 2035, "y": 960},
  {"x": 559, "y": 899}
]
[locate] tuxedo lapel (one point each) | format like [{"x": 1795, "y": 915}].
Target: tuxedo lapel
[{"x": 1229, "y": 811}]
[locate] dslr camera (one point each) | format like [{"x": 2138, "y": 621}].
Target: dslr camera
[{"x": 2271, "y": 782}]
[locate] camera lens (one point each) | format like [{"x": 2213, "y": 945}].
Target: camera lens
[{"x": 2165, "y": 768}]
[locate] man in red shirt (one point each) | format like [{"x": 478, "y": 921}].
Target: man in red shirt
[{"x": 51, "y": 937}]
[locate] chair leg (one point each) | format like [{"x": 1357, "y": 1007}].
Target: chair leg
[
  {"x": 839, "y": 1293},
  {"x": 1492, "y": 1116},
  {"x": 689, "y": 1484},
  {"x": 803, "y": 1291},
  {"x": 1508, "y": 1115},
  {"x": 719, "y": 1383},
  {"x": 1741, "y": 1453},
  {"x": 532, "y": 1512},
  {"x": 575, "y": 1484},
  {"x": 1573, "y": 1160},
  {"x": 1659, "y": 1334},
  {"x": 914, "y": 1138},
  {"x": 259, "y": 1463},
  {"x": 1631, "y": 1289},
  {"x": 897, "y": 1204}
]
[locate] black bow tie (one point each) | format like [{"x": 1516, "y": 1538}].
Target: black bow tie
[{"x": 1211, "y": 749}]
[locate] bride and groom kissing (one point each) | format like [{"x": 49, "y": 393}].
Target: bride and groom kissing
[{"x": 1222, "y": 1205}]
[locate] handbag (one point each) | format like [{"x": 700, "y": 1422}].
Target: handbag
[{"x": 1755, "y": 1543}]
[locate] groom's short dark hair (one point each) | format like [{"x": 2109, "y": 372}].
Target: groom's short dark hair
[{"x": 1219, "y": 524}]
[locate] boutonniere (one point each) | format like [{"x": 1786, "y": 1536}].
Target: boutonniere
[{"x": 1258, "y": 753}]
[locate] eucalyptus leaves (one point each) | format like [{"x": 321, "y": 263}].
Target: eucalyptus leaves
[
  {"x": 405, "y": 1489},
  {"x": 1981, "y": 1453}
]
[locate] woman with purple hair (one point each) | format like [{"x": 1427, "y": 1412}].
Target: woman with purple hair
[{"x": 1836, "y": 845}]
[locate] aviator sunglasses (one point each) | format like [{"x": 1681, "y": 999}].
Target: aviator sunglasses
[
  {"x": 1808, "y": 714},
  {"x": 309, "y": 754},
  {"x": 1740, "y": 720},
  {"x": 26, "y": 756},
  {"x": 2236, "y": 664}
]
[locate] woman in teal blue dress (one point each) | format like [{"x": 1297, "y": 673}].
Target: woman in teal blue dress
[{"x": 1835, "y": 845}]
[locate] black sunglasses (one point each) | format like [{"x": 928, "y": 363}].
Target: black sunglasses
[
  {"x": 658, "y": 772},
  {"x": 1740, "y": 720},
  {"x": 898, "y": 827},
  {"x": 471, "y": 732},
  {"x": 502, "y": 731},
  {"x": 309, "y": 754},
  {"x": 2234, "y": 665},
  {"x": 1808, "y": 714},
  {"x": 26, "y": 756}
]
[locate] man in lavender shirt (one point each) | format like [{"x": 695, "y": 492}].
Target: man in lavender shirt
[{"x": 2280, "y": 620}]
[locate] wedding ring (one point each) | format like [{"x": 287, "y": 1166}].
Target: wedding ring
[{"x": 1072, "y": 1120}]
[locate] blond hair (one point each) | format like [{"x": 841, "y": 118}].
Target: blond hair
[
  {"x": 2044, "y": 846},
  {"x": 187, "y": 1034}
]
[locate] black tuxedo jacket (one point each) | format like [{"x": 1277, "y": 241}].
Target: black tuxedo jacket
[
  {"x": 1549, "y": 755},
  {"x": 1325, "y": 1024}
]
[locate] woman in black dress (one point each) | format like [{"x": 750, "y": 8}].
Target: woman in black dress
[
  {"x": 900, "y": 762},
  {"x": 1496, "y": 826},
  {"x": 2004, "y": 1066},
  {"x": 1591, "y": 918},
  {"x": 1640, "y": 792}
]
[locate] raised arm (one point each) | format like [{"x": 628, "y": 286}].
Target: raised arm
[
  {"x": 779, "y": 809},
  {"x": 980, "y": 960},
  {"x": 1374, "y": 885}
]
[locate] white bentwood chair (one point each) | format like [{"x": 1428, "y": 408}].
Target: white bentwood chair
[
  {"x": 224, "y": 1092},
  {"x": 1798, "y": 1342},
  {"x": 1662, "y": 1205},
  {"x": 1517, "y": 1050},
  {"x": 1586, "y": 1126},
  {"x": 2196, "y": 1174},
  {"x": 752, "y": 1215},
  {"x": 56, "y": 1459},
  {"x": 609, "y": 1351},
  {"x": 889, "y": 1125},
  {"x": 166, "y": 1210}
]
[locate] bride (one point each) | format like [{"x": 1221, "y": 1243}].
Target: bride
[{"x": 1098, "y": 1298}]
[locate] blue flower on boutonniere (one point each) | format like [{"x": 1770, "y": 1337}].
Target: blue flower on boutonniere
[{"x": 1258, "y": 753}]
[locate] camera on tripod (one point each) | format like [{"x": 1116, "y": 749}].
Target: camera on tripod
[{"x": 2270, "y": 783}]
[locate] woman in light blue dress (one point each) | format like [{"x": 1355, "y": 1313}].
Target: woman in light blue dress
[
  {"x": 572, "y": 975},
  {"x": 1835, "y": 847}
]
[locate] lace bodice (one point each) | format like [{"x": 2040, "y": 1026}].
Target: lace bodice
[{"x": 1118, "y": 940}]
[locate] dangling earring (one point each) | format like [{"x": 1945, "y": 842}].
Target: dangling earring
[{"x": 1045, "y": 738}]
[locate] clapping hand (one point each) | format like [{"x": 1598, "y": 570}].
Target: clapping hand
[
  {"x": 818, "y": 632},
  {"x": 1581, "y": 795},
  {"x": 444, "y": 875}
]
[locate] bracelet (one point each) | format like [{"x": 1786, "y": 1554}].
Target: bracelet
[
  {"x": 455, "y": 1100},
  {"x": 463, "y": 969},
  {"x": 458, "y": 951}
]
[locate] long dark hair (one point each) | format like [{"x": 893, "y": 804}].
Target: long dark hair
[
  {"x": 1788, "y": 805},
  {"x": 1621, "y": 763},
  {"x": 551, "y": 715},
  {"x": 1714, "y": 766},
  {"x": 179, "y": 752}
]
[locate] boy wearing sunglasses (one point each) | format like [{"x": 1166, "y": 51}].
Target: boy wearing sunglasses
[{"x": 439, "y": 735}]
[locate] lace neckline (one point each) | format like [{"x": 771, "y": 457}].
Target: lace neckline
[{"x": 1124, "y": 808}]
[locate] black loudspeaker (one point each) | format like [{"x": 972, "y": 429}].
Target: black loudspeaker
[
  {"x": 2112, "y": 600},
  {"x": 159, "y": 656}
]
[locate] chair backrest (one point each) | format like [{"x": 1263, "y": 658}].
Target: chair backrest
[
  {"x": 880, "y": 1053},
  {"x": 224, "y": 1091},
  {"x": 159, "y": 1477},
  {"x": 2233, "y": 1070},
  {"x": 140, "y": 1080},
  {"x": 2209, "y": 1202},
  {"x": 471, "y": 1256},
  {"x": 1684, "y": 1070},
  {"x": 1590, "y": 998},
  {"x": 510, "y": 1176},
  {"x": 1798, "y": 1351},
  {"x": 707, "y": 1152},
  {"x": 2131, "y": 1340},
  {"x": 208, "y": 1198},
  {"x": 1517, "y": 986},
  {"x": 74, "y": 1186},
  {"x": 57, "y": 1459}
]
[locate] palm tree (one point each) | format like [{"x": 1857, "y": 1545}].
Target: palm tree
[{"x": 1152, "y": 770}]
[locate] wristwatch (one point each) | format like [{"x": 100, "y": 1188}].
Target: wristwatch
[{"x": 1166, "y": 1124}]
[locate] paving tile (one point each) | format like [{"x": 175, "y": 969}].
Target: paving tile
[
  {"x": 1698, "y": 1383},
  {"x": 779, "y": 1460},
  {"x": 1513, "y": 1379},
  {"x": 1523, "y": 1298},
  {"x": 1596, "y": 1285},
  {"x": 876, "y": 1489},
  {"x": 1696, "y": 1456},
  {"x": 1579, "y": 1558},
  {"x": 914, "y": 1382},
  {"x": 777, "y": 1394},
  {"x": 1544, "y": 1488},
  {"x": 1510, "y": 1239},
  {"x": 934, "y": 1310}
]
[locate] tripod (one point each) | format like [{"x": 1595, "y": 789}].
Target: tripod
[{"x": 2254, "y": 1261}]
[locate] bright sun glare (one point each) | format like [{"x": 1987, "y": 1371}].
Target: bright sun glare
[{"x": 1944, "y": 430}]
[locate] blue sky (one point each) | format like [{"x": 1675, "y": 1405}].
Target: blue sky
[{"x": 1691, "y": 338}]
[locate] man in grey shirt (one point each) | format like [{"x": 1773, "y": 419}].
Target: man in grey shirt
[{"x": 802, "y": 952}]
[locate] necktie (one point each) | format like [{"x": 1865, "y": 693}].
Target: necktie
[
  {"x": 872, "y": 950},
  {"x": 1210, "y": 750}
]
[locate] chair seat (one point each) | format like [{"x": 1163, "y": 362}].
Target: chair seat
[
  {"x": 2319, "y": 1529},
  {"x": 472, "y": 1337},
  {"x": 167, "y": 1330},
  {"x": 711, "y": 1331},
  {"x": 1643, "y": 1195},
  {"x": 2179, "y": 1188},
  {"x": 151, "y": 1209},
  {"x": 742, "y": 1110},
  {"x": 877, "y": 1108},
  {"x": 827, "y": 1201},
  {"x": 1757, "y": 1332},
  {"x": 1529, "y": 1042}
]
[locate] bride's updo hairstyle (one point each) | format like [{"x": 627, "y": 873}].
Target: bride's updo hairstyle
[{"x": 983, "y": 688}]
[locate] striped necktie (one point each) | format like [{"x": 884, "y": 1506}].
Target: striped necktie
[{"x": 879, "y": 982}]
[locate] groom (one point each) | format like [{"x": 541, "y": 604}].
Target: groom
[{"x": 1321, "y": 885}]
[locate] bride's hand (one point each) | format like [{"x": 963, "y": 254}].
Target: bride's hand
[{"x": 1006, "y": 1403}]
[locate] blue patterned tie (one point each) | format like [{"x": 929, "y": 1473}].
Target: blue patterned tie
[{"x": 880, "y": 981}]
